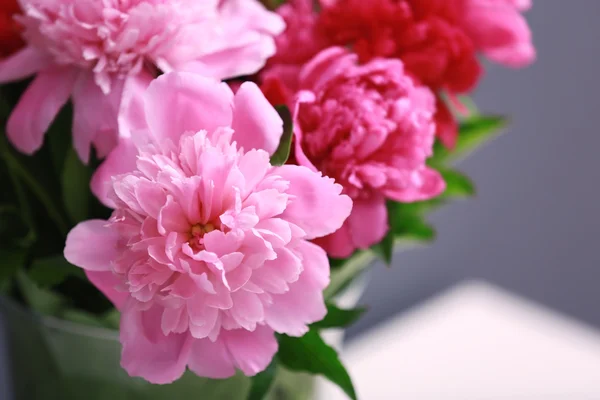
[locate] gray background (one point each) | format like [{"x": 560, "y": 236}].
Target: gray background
[{"x": 534, "y": 226}]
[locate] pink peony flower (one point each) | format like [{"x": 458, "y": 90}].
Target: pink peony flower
[
  {"x": 207, "y": 252},
  {"x": 98, "y": 52},
  {"x": 371, "y": 129}
]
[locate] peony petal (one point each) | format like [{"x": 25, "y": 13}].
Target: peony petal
[
  {"x": 22, "y": 64},
  {"x": 106, "y": 282},
  {"x": 244, "y": 43},
  {"x": 276, "y": 275},
  {"x": 247, "y": 309},
  {"x": 92, "y": 245},
  {"x": 120, "y": 161},
  {"x": 318, "y": 207},
  {"x": 291, "y": 312},
  {"x": 151, "y": 197},
  {"x": 255, "y": 122},
  {"x": 211, "y": 359},
  {"x": 339, "y": 244},
  {"x": 180, "y": 102},
  {"x": 38, "y": 106},
  {"x": 501, "y": 32},
  {"x": 147, "y": 352},
  {"x": 427, "y": 184},
  {"x": 368, "y": 222},
  {"x": 253, "y": 351},
  {"x": 132, "y": 119},
  {"x": 171, "y": 218},
  {"x": 94, "y": 116}
]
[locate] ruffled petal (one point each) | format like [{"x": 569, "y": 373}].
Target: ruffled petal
[
  {"x": 251, "y": 352},
  {"x": 147, "y": 352},
  {"x": 318, "y": 207},
  {"x": 291, "y": 312}
]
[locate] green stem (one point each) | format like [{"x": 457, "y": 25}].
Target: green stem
[{"x": 18, "y": 171}]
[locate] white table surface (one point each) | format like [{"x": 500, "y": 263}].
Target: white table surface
[{"x": 474, "y": 342}]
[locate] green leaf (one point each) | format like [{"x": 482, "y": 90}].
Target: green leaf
[
  {"x": 339, "y": 318},
  {"x": 50, "y": 271},
  {"x": 457, "y": 184},
  {"x": 41, "y": 300},
  {"x": 385, "y": 248},
  {"x": 58, "y": 138},
  {"x": 11, "y": 262},
  {"x": 111, "y": 319},
  {"x": 75, "y": 187},
  {"x": 407, "y": 222},
  {"x": 282, "y": 153},
  {"x": 262, "y": 382},
  {"x": 310, "y": 353},
  {"x": 472, "y": 134},
  {"x": 20, "y": 173},
  {"x": 82, "y": 317}
]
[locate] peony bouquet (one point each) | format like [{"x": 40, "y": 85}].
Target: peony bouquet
[{"x": 208, "y": 176}]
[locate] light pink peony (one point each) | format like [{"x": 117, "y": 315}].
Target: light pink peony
[
  {"x": 98, "y": 52},
  {"x": 207, "y": 253},
  {"x": 371, "y": 129}
]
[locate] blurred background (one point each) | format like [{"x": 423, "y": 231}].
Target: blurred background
[{"x": 534, "y": 226}]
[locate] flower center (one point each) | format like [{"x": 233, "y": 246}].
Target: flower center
[{"x": 197, "y": 233}]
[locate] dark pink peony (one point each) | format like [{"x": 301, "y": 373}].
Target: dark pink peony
[{"x": 371, "y": 129}]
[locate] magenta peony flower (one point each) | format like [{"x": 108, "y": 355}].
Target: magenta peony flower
[
  {"x": 371, "y": 129},
  {"x": 97, "y": 52},
  {"x": 207, "y": 253}
]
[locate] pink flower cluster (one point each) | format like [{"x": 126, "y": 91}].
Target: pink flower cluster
[{"x": 211, "y": 249}]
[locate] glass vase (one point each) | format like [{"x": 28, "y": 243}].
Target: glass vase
[{"x": 53, "y": 359}]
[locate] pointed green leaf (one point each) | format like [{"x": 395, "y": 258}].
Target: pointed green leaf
[
  {"x": 282, "y": 153},
  {"x": 50, "y": 271},
  {"x": 472, "y": 134},
  {"x": 457, "y": 184},
  {"x": 82, "y": 317},
  {"x": 11, "y": 262},
  {"x": 385, "y": 248},
  {"x": 41, "y": 300},
  {"x": 261, "y": 383},
  {"x": 310, "y": 353},
  {"x": 339, "y": 318},
  {"x": 75, "y": 187},
  {"x": 407, "y": 222}
]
